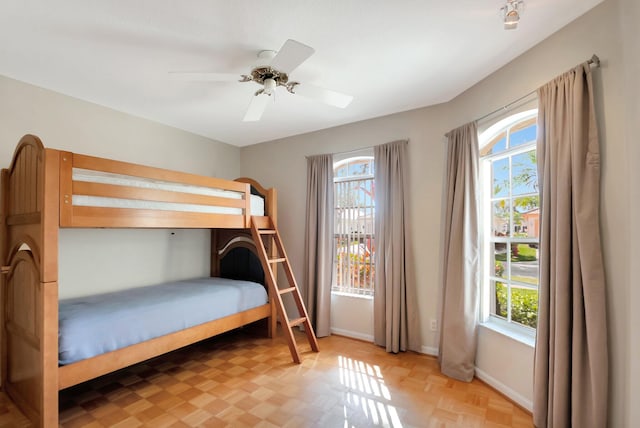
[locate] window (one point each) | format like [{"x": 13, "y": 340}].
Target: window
[
  {"x": 510, "y": 213},
  {"x": 354, "y": 193}
]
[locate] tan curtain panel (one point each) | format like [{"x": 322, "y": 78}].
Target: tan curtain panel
[
  {"x": 394, "y": 304},
  {"x": 570, "y": 373},
  {"x": 460, "y": 253},
  {"x": 319, "y": 246}
]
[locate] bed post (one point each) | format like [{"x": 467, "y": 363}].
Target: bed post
[
  {"x": 270, "y": 210},
  {"x": 30, "y": 283},
  {"x": 4, "y": 269}
]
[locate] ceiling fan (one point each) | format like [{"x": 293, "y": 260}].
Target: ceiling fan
[{"x": 271, "y": 70}]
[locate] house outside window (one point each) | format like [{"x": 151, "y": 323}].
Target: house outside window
[
  {"x": 354, "y": 196},
  {"x": 510, "y": 221}
]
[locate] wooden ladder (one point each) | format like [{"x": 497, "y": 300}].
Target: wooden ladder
[{"x": 270, "y": 261}]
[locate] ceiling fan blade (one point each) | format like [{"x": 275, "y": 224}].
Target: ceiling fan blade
[
  {"x": 190, "y": 76},
  {"x": 290, "y": 56},
  {"x": 326, "y": 96},
  {"x": 257, "y": 106}
]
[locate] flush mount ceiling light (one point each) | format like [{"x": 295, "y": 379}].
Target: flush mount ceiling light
[{"x": 511, "y": 13}]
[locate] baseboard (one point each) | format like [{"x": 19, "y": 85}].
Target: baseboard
[
  {"x": 510, "y": 393},
  {"x": 429, "y": 350},
  {"x": 352, "y": 334}
]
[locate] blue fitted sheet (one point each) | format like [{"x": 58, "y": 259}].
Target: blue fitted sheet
[{"x": 93, "y": 325}]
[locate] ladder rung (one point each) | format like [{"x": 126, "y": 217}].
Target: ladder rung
[
  {"x": 278, "y": 260},
  {"x": 297, "y": 321},
  {"x": 266, "y": 231},
  {"x": 286, "y": 290}
]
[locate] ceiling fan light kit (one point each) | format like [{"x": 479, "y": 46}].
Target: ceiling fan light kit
[
  {"x": 271, "y": 70},
  {"x": 269, "y": 85}
]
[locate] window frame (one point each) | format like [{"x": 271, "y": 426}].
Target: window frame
[
  {"x": 364, "y": 156},
  {"x": 506, "y": 126}
]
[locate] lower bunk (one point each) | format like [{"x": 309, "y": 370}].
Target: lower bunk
[{"x": 102, "y": 333}]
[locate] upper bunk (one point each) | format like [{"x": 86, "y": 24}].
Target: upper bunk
[{"x": 92, "y": 192}]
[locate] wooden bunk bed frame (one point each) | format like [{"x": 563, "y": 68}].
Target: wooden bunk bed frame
[{"x": 36, "y": 199}]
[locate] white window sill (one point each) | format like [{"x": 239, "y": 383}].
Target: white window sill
[
  {"x": 356, "y": 296},
  {"x": 512, "y": 331}
]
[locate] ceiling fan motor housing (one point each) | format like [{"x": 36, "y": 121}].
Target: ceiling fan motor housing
[{"x": 260, "y": 74}]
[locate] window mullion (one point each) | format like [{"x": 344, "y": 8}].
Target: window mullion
[{"x": 511, "y": 229}]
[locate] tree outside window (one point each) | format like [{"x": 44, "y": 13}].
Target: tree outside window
[{"x": 511, "y": 220}]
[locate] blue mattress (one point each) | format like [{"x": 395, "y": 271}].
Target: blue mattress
[{"x": 93, "y": 325}]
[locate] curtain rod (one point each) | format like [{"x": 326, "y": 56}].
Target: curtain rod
[
  {"x": 346, "y": 152},
  {"x": 594, "y": 60}
]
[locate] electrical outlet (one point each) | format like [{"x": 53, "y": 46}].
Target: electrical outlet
[{"x": 434, "y": 325}]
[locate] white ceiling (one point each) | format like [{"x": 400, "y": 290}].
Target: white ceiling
[{"x": 390, "y": 55}]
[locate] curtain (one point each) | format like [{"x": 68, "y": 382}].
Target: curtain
[
  {"x": 460, "y": 253},
  {"x": 319, "y": 245},
  {"x": 570, "y": 368},
  {"x": 394, "y": 305}
]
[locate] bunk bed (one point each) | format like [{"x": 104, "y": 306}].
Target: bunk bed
[{"x": 44, "y": 190}]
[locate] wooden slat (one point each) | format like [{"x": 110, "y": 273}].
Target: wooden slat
[
  {"x": 4, "y": 260},
  {"x": 49, "y": 343},
  {"x": 261, "y": 222},
  {"x": 30, "y": 179},
  {"x": 125, "y": 218},
  {"x": 296, "y": 321},
  {"x": 135, "y": 170},
  {"x": 50, "y": 216},
  {"x": 28, "y": 218},
  {"x": 81, "y": 371},
  {"x": 271, "y": 206},
  {"x": 143, "y": 194},
  {"x": 23, "y": 192},
  {"x": 48, "y": 295},
  {"x": 66, "y": 187}
]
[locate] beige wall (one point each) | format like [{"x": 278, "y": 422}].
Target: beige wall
[
  {"x": 352, "y": 316},
  {"x": 630, "y": 17},
  {"x": 94, "y": 260},
  {"x": 282, "y": 164}
]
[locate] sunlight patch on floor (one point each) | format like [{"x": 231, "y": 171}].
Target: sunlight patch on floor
[{"x": 367, "y": 397}]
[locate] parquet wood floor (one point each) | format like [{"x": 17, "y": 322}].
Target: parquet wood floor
[{"x": 242, "y": 379}]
